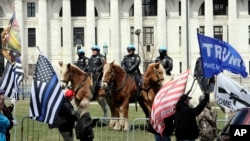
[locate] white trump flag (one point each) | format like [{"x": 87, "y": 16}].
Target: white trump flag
[{"x": 229, "y": 94}]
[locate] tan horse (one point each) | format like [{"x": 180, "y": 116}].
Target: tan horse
[
  {"x": 120, "y": 91},
  {"x": 81, "y": 84},
  {"x": 153, "y": 79}
]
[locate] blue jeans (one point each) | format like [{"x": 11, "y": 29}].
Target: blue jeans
[{"x": 160, "y": 138}]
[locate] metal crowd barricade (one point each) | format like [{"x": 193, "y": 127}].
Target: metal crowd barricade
[{"x": 32, "y": 130}]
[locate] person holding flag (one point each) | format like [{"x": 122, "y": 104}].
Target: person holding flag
[
  {"x": 4, "y": 121},
  {"x": 186, "y": 127}
]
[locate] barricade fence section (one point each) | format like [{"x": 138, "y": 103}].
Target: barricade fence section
[{"x": 32, "y": 130}]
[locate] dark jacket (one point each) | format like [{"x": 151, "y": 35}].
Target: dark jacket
[
  {"x": 7, "y": 111},
  {"x": 167, "y": 63},
  {"x": 185, "y": 119},
  {"x": 67, "y": 113},
  {"x": 169, "y": 127},
  {"x": 130, "y": 63},
  {"x": 84, "y": 126}
]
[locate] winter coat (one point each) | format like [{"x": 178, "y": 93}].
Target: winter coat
[{"x": 186, "y": 127}]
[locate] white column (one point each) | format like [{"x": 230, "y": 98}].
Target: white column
[
  {"x": 115, "y": 49},
  {"x": 184, "y": 38},
  {"x": 43, "y": 27},
  {"x": 67, "y": 32},
  {"x": 90, "y": 26},
  {"x": 232, "y": 19},
  {"x": 138, "y": 25},
  {"x": 209, "y": 30},
  {"x": 161, "y": 23}
]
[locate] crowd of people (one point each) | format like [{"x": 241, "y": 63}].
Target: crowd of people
[{"x": 187, "y": 124}]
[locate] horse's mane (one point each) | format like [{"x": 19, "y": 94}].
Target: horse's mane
[
  {"x": 151, "y": 66},
  {"x": 76, "y": 68}
]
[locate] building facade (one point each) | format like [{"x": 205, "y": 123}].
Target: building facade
[{"x": 59, "y": 27}]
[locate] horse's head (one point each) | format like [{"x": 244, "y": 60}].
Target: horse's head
[
  {"x": 155, "y": 73},
  {"x": 108, "y": 74},
  {"x": 66, "y": 74}
]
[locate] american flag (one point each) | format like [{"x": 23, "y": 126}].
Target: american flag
[
  {"x": 11, "y": 79},
  {"x": 46, "y": 92},
  {"x": 165, "y": 101}
]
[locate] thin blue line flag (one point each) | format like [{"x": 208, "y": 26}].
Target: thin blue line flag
[{"x": 217, "y": 55}]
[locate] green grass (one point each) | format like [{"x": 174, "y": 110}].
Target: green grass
[{"x": 38, "y": 131}]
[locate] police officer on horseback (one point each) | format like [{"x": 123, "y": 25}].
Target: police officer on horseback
[
  {"x": 130, "y": 64},
  {"x": 82, "y": 61},
  {"x": 166, "y": 61},
  {"x": 95, "y": 66}
]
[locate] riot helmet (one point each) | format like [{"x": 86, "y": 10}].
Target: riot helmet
[
  {"x": 95, "y": 48},
  {"x": 131, "y": 48},
  {"x": 80, "y": 52},
  {"x": 162, "y": 50}
]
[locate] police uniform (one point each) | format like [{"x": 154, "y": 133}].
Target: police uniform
[
  {"x": 82, "y": 61},
  {"x": 130, "y": 64},
  {"x": 95, "y": 66},
  {"x": 166, "y": 61}
]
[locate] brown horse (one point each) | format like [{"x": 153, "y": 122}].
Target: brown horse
[
  {"x": 121, "y": 90},
  {"x": 153, "y": 79},
  {"x": 81, "y": 84}
]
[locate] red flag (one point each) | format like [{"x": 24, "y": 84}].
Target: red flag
[{"x": 165, "y": 101}]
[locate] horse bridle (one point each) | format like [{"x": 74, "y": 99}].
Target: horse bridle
[
  {"x": 79, "y": 86},
  {"x": 159, "y": 80},
  {"x": 120, "y": 87}
]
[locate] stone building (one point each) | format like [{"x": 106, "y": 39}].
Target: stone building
[{"x": 59, "y": 27}]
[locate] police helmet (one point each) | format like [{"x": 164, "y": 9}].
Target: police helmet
[
  {"x": 162, "y": 48},
  {"x": 131, "y": 48},
  {"x": 95, "y": 47},
  {"x": 80, "y": 51}
]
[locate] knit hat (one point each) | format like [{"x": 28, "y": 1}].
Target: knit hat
[
  {"x": 69, "y": 93},
  {"x": 2, "y": 91}
]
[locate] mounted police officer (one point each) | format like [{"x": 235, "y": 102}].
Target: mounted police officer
[
  {"x": 166, "y": 61},
  {"x": 95, "y": 66},
  {"x": 130, "y": 64},
  {"x": 82, "y": 61}
]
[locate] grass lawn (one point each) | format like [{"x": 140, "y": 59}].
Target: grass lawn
[{"x": 37, "y": 131}]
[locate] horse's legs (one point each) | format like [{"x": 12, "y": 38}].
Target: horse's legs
[
  {"x": 124, "y": 114},
  {"x": 117, "y": 125},
  {"x": 103, "y": 103},
  {"x": 83, "y": 106},
  {"x": 142, "y": 102}
]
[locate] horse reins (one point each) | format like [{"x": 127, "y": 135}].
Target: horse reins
[
  {"x": 159, "y": 80},
  {"x": 79, "y": 86}
]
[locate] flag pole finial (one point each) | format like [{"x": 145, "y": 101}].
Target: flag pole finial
[{"x": 38, "y": 49}]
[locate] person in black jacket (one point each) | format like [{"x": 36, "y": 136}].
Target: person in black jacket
[
  {"x": 186, "y": 127},
  {"x": 68, "y": 115}
]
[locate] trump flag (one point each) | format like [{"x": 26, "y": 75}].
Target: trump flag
[
  {"x": 165, "y": 101},
  {"x": 217, "y": 55}
]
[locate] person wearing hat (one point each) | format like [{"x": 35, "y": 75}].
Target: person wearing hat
[
  {"x": 82, "y": 61},
  {"x": 130, "y": 63},
  {"x": 4, "y": 121},
  {"x": 95, "y": 66},
  {"x": 165, "y": 60},
  {"x": 67, "y": 116},
  {"x": 186, "y": 127}
]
